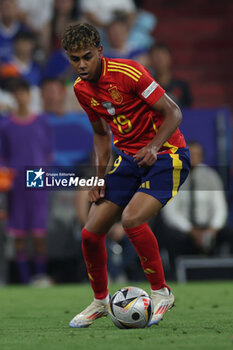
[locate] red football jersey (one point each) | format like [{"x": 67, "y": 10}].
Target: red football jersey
[{"x": 124, "y": 96}]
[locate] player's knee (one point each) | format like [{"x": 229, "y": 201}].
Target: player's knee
[{"x": 129, "y": 220}]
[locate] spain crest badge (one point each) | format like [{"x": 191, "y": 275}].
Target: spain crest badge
[{"x": 115, "y": 95}]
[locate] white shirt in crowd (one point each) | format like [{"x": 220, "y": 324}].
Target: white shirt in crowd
[
  {"x": 104, "y": 9},
  {"x": 210, "y": 208},
  {"x": 39, "y": 11}
]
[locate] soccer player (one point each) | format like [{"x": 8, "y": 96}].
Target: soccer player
[{"x": 153, "y": 162}]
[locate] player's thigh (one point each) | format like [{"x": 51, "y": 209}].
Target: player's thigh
[
  {"x": 102, "y": 216},
  {"x": 140, "y": 209}
]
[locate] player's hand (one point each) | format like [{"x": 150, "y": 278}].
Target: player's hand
[
  {"x": 212, "y": 231},
  {"x": 196, "y": 235},
  {"x": 146, "y": 156},
  {"x": 96, "y": 193}
]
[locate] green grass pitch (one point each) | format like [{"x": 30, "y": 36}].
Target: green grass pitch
[{"x": 33, "y": 318}]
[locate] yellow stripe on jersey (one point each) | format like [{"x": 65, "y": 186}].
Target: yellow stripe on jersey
[
  {"x": 125, "y": 65},
  {"x": 125, "y": 68},
  {"x": 77, "y": 81},
  {"x": 177, "y": 167},
  {"x": 104, "y": 70},
  {"x": 122, "y": 71}
]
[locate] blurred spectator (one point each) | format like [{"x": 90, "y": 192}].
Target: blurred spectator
[
  {"x": 26, "y": 141},
  {"x": 71, "y": 131},
  {"x": 10, "y": 103},
  {"x": 143, "y": 25},
  {"x": 72, "y": 137},
  {"x": 22, "y": 64},
  {"x": 57, "y": 65},
  {"x": 117, "y": 33},
  {"x": 195, "y": 219},
  {"x": 9, "y": 27},
  {"x": 101, "y": 13},
  {"x": 64, "y": 12},
  {"x": 37, "y": 16},
  {"x": 161, "y": 65},
  {"x": 7, "y": 103}
]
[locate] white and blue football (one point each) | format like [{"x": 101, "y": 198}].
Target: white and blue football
[{"x": 131, "y": 307}]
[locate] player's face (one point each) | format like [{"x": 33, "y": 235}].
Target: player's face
[{"x": 87, "y": 63}]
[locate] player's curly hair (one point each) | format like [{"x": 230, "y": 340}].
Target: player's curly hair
[{"x": 80, "y": 36}]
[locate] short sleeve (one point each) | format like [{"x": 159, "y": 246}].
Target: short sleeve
[
  {"x": 93, "y": 117},
  {"x": 146, "y": 87}
]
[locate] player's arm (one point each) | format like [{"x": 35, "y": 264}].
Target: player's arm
[
  {"x": 147, "y": 156},
  {"x": 102, "y": 149}
]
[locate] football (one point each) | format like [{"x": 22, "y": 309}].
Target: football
[{"x": 131, "y": 307}]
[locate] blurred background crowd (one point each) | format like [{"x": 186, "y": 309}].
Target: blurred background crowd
[{"x": 188, "y": 48}]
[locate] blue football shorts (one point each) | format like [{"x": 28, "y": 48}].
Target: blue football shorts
[{"x": 162, "y": 180}]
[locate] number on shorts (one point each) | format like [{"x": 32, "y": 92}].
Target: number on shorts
[{"x": 116, "y": 164}]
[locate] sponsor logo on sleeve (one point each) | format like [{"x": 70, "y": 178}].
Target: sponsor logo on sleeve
[{"x": 146, "y": 93}]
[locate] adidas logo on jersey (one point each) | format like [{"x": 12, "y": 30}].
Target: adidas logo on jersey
[{"x": 94, "y": 103}]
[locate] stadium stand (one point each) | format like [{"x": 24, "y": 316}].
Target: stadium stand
[{"x": 199, "y": 34}]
